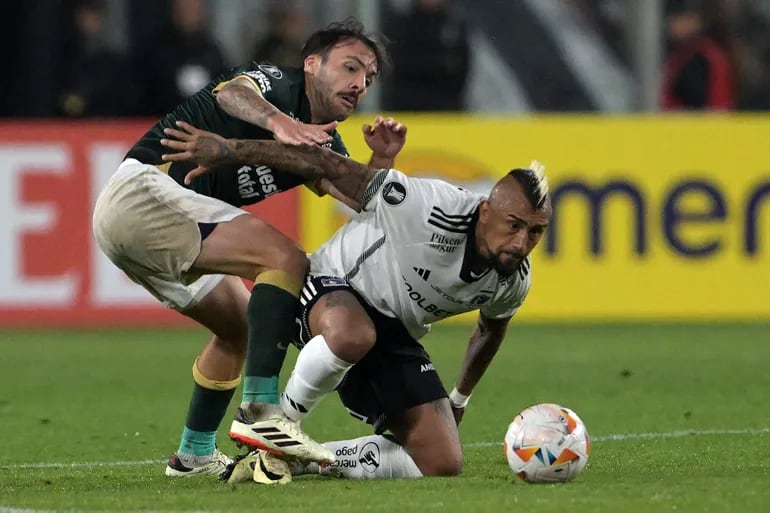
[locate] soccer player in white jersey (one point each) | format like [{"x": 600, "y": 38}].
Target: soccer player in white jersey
[{"x": 419, "y": 251}]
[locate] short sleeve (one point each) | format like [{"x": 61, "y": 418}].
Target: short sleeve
[
  {"x": 508, "y": 299},
  {"x": 268, "y": 79},
  {"x": 393, "y": 190}
]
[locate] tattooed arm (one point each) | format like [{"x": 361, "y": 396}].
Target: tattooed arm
[
  {"x": 241, "y": 100},
  {"x": 311, "y": 162}
]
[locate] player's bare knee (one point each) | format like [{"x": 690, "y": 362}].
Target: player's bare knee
[
  {"x": 443, "y": 463},
  {"x": 350, "y": 340},
  {"x": 295, "y": 262},
  {"x": 281, "y": 252}
]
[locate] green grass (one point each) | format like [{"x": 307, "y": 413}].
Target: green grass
[{"x": 112, "y": 404}]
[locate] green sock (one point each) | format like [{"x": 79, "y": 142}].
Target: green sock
[
  {"x": 271, "y": 315},
  {"x": 205, "y": 413}
]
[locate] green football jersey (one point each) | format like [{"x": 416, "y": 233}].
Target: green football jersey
[{"x": 243, "y": 184}]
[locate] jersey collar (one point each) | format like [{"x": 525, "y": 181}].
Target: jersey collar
[{"x": 470, "y": 249}]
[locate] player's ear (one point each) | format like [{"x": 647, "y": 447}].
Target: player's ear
[
  {"x": 312, "y": 63},
  {"x": 484, "y": 211}
]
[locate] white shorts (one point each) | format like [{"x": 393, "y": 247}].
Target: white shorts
[{"x": 147, "y": 225}]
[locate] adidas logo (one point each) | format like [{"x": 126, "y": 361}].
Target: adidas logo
[
  {"x": 275, "y": 435},
  {"x": 422, "y": 273}
]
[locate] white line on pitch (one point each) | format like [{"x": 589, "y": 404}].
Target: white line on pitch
[
  {"x": 601, "y": 438},
  {"x": 652, "y": 436}
]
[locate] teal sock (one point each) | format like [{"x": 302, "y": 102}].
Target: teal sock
[
  {"x": 206, "y": 410},
  {"x": 259, "y": 389},
  {"x": 198, "y": 443},
  {"x": 271, "y": 313}
]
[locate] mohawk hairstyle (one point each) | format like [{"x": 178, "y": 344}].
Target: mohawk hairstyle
[
  {"x": 322, "y": 41},
  {"x": 533, "y": 181}
]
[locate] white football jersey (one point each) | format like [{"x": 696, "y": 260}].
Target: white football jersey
[{"x": 404, "y": 254}]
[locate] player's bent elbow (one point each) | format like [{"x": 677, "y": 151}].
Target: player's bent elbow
[
  {"x": 295, "y": 262},
  {"x": 225, "y": 96}
]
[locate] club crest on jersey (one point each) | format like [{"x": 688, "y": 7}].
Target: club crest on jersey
[
  {"x": 393, "y": 193},
  {"x": 479, "y": 300},
  {"x": 271, "y": 70}
]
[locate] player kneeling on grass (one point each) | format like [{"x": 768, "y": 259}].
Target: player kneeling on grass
[{"x": 419, "y": 251}]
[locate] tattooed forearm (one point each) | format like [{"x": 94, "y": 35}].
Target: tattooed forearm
[
  {"x": 245, "y": 103},
  {"x": 216, "y": 151},
  {"x": 309, "y": 162}
]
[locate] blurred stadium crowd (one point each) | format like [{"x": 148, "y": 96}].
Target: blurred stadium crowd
[{"x": 115, "y": 58}]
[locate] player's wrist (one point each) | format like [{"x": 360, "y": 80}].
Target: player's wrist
[
  {"x": 276, "y": 120},
  {"x": 458, "y": 399}
]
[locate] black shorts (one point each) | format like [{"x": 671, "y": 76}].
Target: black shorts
[{"x": 395, "y": 375}]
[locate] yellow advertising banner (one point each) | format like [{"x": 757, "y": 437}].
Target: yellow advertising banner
[{"x": 655, "y": 218}]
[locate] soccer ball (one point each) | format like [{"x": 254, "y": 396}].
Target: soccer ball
[{"x": 547, "y": 443}]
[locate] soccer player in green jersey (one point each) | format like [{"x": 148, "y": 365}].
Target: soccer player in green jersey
[{"x": 189, "y": 244}]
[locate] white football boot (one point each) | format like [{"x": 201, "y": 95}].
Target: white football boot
[
  {"x": 266, "y": 427},
  {"x": 185, "y": 465}
]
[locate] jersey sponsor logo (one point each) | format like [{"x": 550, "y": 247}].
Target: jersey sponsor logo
[
  {"x": 444, "y": 244},
  {"x": 422, "y": 273},
  {"x": 370, "y": 457},
  {"x": 350, "y": 450},
  {"x": 427, "y": 367},
  {"x": 261, "y": 185},
  {"x": 271, "y": 70},
  {"x": 446, "y": 296},
  {"x": 262, "y": 81},
  {"x": 423, "y": 302},
  {"x": 393, "y": 193}
]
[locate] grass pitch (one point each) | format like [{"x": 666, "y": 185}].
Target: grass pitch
[{"x": 678, "y": 416}]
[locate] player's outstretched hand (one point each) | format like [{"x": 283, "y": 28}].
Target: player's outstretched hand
[
  {"x": 206, "y": 149},
  {"x": 290, "y": 131},
  {"x": 385, "y": 137}
]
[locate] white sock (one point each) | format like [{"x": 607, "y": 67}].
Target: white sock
[
  {"x": 368, "y": 457},
  {"x": 317, "y": 372}
]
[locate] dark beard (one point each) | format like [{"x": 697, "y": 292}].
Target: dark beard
[{"x": 506, "y": 272}]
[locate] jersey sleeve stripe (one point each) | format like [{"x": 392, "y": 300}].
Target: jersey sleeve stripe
[
  {"x": 240, "y": 78},
  {"x": 374, "y": 185},
  {"x": 363, "y": 256}
]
